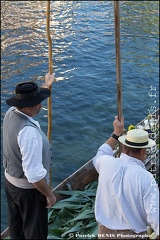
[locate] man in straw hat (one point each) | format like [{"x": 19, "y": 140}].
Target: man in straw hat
[
  {"x": 26, "y": 159},
  {"x": 127, "y": 199}
]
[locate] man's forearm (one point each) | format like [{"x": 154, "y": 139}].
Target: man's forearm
[{"x": 42, "y": 187}]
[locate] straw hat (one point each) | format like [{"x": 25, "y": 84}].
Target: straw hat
[
  {"x": 137, "y": 138},
  {"x": 28, "y": 94}
]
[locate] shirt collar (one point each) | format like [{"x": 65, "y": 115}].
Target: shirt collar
[
  {"x": 135, "y": 161},
  {"x": 30, "y": 118}
]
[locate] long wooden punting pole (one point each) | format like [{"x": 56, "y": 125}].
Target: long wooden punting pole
[
  {"x": 118, "y": 57},
  {"x": 118, "y": 62},
  {"x": 50, "y": 69},
  {"x": 50, "y": 72}
]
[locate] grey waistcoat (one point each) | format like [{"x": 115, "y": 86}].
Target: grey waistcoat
[{"x": 13, "y": 123}]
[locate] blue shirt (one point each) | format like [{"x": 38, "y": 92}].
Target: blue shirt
[{"x": 127, "y": 194}]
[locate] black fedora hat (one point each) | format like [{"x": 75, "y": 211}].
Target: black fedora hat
[{"x": 28, "y": 94}]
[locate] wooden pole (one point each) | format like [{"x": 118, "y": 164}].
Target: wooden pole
[
  {"x": 118, "y": 57},
  {"x": 50, "y": 72},
  {"x": 118, "y": 62},
  {"x": 50, "y": 69}
]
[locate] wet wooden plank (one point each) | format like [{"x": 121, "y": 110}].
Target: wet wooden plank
[{"x": 78, "y": 180}]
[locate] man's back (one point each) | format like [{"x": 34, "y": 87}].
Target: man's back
[{"x": 124, "y": 191}]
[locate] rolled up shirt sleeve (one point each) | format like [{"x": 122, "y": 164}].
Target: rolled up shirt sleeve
[
  {"x": 30, "y": 143},
  {"x": 103, "y": 150},
  {"x": 40, "y": 174}
]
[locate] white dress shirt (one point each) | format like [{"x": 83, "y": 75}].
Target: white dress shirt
[
  {"x": 30, "y": 144},
  {"x": 127, "y": 194}
]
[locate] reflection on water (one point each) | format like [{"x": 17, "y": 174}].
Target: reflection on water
[{"x": 85, "y": 102}]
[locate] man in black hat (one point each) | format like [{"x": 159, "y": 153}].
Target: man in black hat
[
  {"x": 127, "y": 199},
  {"x": 26, "y": 159}
]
